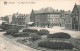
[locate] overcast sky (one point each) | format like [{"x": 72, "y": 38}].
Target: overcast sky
[{"x": 26, "y": 8}]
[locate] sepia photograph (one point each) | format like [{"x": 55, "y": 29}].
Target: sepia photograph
[{"x": 39, "y": 25}]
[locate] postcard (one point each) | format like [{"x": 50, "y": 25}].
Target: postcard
[{"x": 39, "y": 25}]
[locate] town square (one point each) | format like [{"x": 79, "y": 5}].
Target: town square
[{"x": 40, "y": 26}]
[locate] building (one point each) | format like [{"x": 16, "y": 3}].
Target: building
[
  {"x": 49, "y": 17},
  {"x": 0, "y": 21},
  {"x": 73, "y": 20},
  {"x": 68, "y": 22},
  {"x": 19, "y": 19},
  {"x": 76, "y": 17},
  {"x": 7, "y": 19},
  {"x": 32, "y": 19}
]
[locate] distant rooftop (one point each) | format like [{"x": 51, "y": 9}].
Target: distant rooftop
[
  {"x": 50, "y": 10},
  {"x": 78, "y": 6}
]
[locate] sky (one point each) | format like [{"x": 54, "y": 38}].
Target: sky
[{"x": 17, "y": 6}]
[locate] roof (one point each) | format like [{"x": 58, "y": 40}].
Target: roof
[
  {"x": 78, "y": 6},
  {"x": 67, "y": 12},
  {"x": 29, "y": 23},
  {"x": 37, "y": 12},
  {"x": 51, "y": 12},
  {"x": 48, "y": 13}
]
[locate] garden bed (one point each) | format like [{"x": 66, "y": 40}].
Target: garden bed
[
  {"x": 35, "y": 46},
  {"x": 33, "y": 43}
]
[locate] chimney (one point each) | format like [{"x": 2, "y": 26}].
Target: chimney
[
  {"x": 57, "y": 9},
  {"x": 69, "y": 10},
  {"x": 75, "y": 3},
  {"x": 63, "y": 10},
  {"x": 17, "y": 12}
]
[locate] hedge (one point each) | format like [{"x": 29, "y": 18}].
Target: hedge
[
  {"x": 7, "y": 26},
  {"x": 12, "y": 31},
  {"x": 30, "y": 30},
  {"x": 59, "y": 35},
  {"x": 55, "y": 45},
  {"x": 43, "y": 32},
  {"x": 21, "y": 34},
  {"x": 34, "y": 37}
]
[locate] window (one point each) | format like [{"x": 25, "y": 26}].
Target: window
[
  {"x": 48, "y": 15},
  {"x": 56, "y": 15},
  {"x": 51, "y": 15},
  {"x": 76, "y": 17},
  {"x": 69, "y": 21},
  {"x": 51, "y": 19}
]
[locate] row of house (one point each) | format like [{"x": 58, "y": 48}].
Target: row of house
[
  {"x": 19, "y": 19},
  {"x": 5, "y": 18},
  {"x": 16, "y": 19},
  {"x": 50, "y": 17}
]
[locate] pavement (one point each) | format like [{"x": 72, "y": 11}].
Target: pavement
[
  {"x": 5, "y": 45},
  {"x": 55, "y": 29}
]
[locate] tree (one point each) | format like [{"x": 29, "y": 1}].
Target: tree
[
  {"x": 12, "y": 31},
  {"x": 5, "y": 26}
]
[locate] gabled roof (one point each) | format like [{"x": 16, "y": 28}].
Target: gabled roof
[{"x": 78, "y": 6}]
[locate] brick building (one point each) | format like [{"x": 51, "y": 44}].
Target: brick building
[{"x": 49, "y": 18}]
